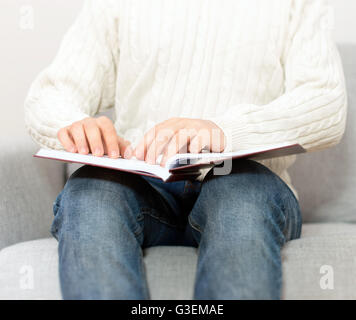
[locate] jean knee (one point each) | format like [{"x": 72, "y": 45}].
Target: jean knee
[
  {"x": 95, "y": 202},
  {"x": 252, "y": 200}
]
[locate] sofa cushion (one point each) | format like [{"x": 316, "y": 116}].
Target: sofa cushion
[
  {"x": 325, "y": 252},
  {"x": 29, "y": 270}
]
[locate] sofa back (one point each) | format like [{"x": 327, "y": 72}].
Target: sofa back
[{"x": 326, "y": 180}]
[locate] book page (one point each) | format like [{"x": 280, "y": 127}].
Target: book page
[
  {"x": 174, "y": 164},
  {"x": 106, "y": 162}
]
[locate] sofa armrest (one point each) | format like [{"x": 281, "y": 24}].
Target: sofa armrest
[{"x": 28, "y": 188}]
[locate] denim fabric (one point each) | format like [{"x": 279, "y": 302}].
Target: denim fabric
[{"x": 239, "y": 222}]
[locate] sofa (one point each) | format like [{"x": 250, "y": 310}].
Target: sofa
[{"x": 319, "y": 265}]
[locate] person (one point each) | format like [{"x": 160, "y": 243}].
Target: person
[{"x": 242, "y": 73}]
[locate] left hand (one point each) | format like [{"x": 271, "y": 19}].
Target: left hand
[{"x": 180, "y": 135}]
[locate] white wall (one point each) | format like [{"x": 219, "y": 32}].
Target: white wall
[
  {"x": 25, "y": 51},
  {"x": 345, "y": 26}
]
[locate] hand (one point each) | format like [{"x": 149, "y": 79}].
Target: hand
[
  {"x": 95, "y": 135},
  {"x": 180, "y": 135}
]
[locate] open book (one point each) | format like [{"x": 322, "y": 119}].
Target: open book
[{"x": 179, "y": 167}]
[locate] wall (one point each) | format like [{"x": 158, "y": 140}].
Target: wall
[
  {"x": 345, "y": 26},
  {"x": 26, "y": 49}
]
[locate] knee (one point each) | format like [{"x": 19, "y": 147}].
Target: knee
[
  {"x": 89, "y": 177},
  {"x": 95, "y": 185},
  {"x": 88, "y": 191},
  {"x": 93, "y": 202},
  {"x": 248, "y": 201},
  {"x": 250, "y": 184},
  {"x": 250, "y": 223},
  {"x": 252, "y": 228}
]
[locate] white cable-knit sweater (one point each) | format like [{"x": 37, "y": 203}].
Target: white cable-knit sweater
[{"x": 264, "y": 71}]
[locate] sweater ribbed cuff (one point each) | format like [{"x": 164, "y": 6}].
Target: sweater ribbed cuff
[{"x": 236, "y": 133}]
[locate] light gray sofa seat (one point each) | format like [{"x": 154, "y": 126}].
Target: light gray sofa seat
[
  {"x": 171, "y": 270},
  {"x": 326, "y": 182}
]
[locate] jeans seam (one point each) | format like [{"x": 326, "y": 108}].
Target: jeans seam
[
  {"x": 295, "y": 234},
  {"x": 143, "y": 272},
  {"x": 194, "y": 225},
  {"x": 297, "y": 218},
  {"x": 299, "y": 223},
  {"x": 149, "y": 212},
  {"x": 57, "y": 203},
  {"x": 138, "y": 232},
  {"x": 54, "y": 225}
]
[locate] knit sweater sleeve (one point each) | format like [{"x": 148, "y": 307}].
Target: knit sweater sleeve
[
  {"x": 81, "y": 80},
  {"x": 312, "y": 110}
]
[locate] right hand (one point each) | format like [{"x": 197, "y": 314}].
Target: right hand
[{"x": 94, "y": 135}]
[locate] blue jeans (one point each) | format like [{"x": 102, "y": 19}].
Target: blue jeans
[{"x": 104, "y": 218}]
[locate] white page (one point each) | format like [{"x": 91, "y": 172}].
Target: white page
[
  {"x": 124, "y": 164},
  {"x": 157, "y": 170}
]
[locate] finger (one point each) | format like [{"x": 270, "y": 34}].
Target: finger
[
  {"x": 218, "y": 141},
  {"x": 109, "y": 137},
  {"x": 143, "y": 146},
  {"x": 158, "y": 144},
  {"x": 165, "y": 133},
  {"x": 78, "y": 135},
  {"x": 201, "y": 141},
  {"x": 178, "y": 144},
  {"x": 125, "y": 148},
  {"x": 66, "y": 141},
  {"x": 171, "y": 150},
  {"x": 93, "y": 135}
]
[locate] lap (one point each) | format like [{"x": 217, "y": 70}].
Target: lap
[{"x": 249, "y": 197}]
